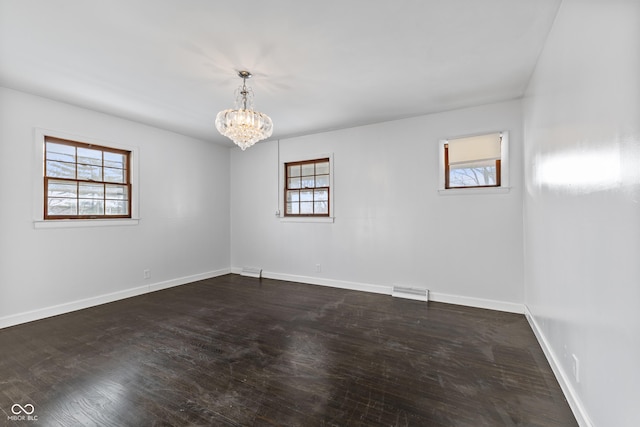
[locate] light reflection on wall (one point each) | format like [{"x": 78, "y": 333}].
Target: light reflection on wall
[{"x": 583, "y": 171}]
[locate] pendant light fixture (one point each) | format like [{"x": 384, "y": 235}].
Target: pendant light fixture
[{"x": 243, "y": 125}]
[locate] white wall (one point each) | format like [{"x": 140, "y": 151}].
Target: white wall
[
  {"x": 391, "y": 225},
  {"x": 183, "y": 233},
  {"x": 581, "y": 211},
  {"x": 582, "y": 205}
]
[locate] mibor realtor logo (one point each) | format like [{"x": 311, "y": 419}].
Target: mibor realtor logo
[{"x": 22, "y": 413}]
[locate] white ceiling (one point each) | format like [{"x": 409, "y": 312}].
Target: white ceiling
[{"x": 317, "y": 65}]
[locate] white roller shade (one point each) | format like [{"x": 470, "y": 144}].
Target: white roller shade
[{"x": 474, "y": 149}]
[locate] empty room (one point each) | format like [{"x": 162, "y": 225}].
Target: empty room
[{"x": 305, "y": 213}]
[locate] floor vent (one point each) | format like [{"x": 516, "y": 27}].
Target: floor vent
[
  {"x": 251, "y": 272},
  {"x": 417, "y": 294}
]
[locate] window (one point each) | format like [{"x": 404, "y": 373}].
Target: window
[
  {"x": 85, "y": 181},
  {"x": 307, "y": 188},
  {"x": 474, "y": 162}
]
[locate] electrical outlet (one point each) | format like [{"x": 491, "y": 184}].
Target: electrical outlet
[
  {"x": 146, "y": 274},
  {"x": 576, "y": 367},
  {"x": 318, "y": 268}
]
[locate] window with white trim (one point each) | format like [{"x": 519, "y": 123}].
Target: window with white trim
[
  {"x": 85, "y": 181},
  {"x": 307, "y": 188},
  {"x": 474, "y": 162}
]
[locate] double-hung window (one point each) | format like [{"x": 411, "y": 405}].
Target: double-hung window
[
  {"x": 85, "y": 181},
  {"x": 307, "y": 188}
]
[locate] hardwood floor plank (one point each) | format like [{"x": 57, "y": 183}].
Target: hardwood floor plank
[{"x": 238, "y": 351}]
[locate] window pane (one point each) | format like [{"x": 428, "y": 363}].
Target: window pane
[
  {"x": 308, "y": 182},
  {"x": 306, "y": 207},
  {"x": 322, "y": 181},
  {"x": 114, "y": 160},
  {"x": 320, "y": 195},
  {"x": 308, "y": 188},
  {"x": 308, "y": 169},
  {"x": 91, "y": 207},
  {"x": 293, "y": 170},
  {"x": 61, "y": 170},
  {"x": 61, "y": 152},
  {"x": 293, "y": 196},
  {"x": 321, "y": 207},
  {"x": 91, "y": 191},
  {"x": 58, "y": 189},
  {"x": 293, "y": 208},
  {"x": 461, "y": 176},
  {"x": 114, "y": 175},
  {"x": 117, "y": 207},
  {"x": 95, "y": 180},
  {"x": 306, "y": 196},
  {"x": 88, "y": 156},
  {"x": 89, "y": 173},
  {"x": 119, "y": 192},
  {"x": 62, "y": 207},
  {"x": 293, "y": 183},
  {"x": 322, "y": 168}
]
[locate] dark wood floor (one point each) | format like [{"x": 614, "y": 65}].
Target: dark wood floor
[{"x": 237, "y": 351}]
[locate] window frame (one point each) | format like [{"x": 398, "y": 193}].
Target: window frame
[
  {"x": 280, "y": 212},
  {"x": 447, "y": 173},
  {"x": 78, "y": 181},
  {"x": 502, "y": 172},
  {"x": 287, "y": 165},
  {"x": 40, "y": 195}
]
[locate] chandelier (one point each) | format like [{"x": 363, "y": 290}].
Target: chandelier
[{"x": 242, "y": 125}]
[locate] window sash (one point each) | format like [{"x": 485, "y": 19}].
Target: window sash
[
  {"x": 487, "y": 154},
  {"x": 474, "y": 148},
  {"x": 307, "y": 188},
  {"x": 89, "y": 181}
]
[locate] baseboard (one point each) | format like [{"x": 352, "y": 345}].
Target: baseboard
[
  {"x": 388, "y": 290},
  {"x": 188, "y": 279},
  {"x": 55, "y": 310},
  {"x": 509, "y": 307},
  {"x": 570, "y": 393},
  {"x": 354, "y": 286}
]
